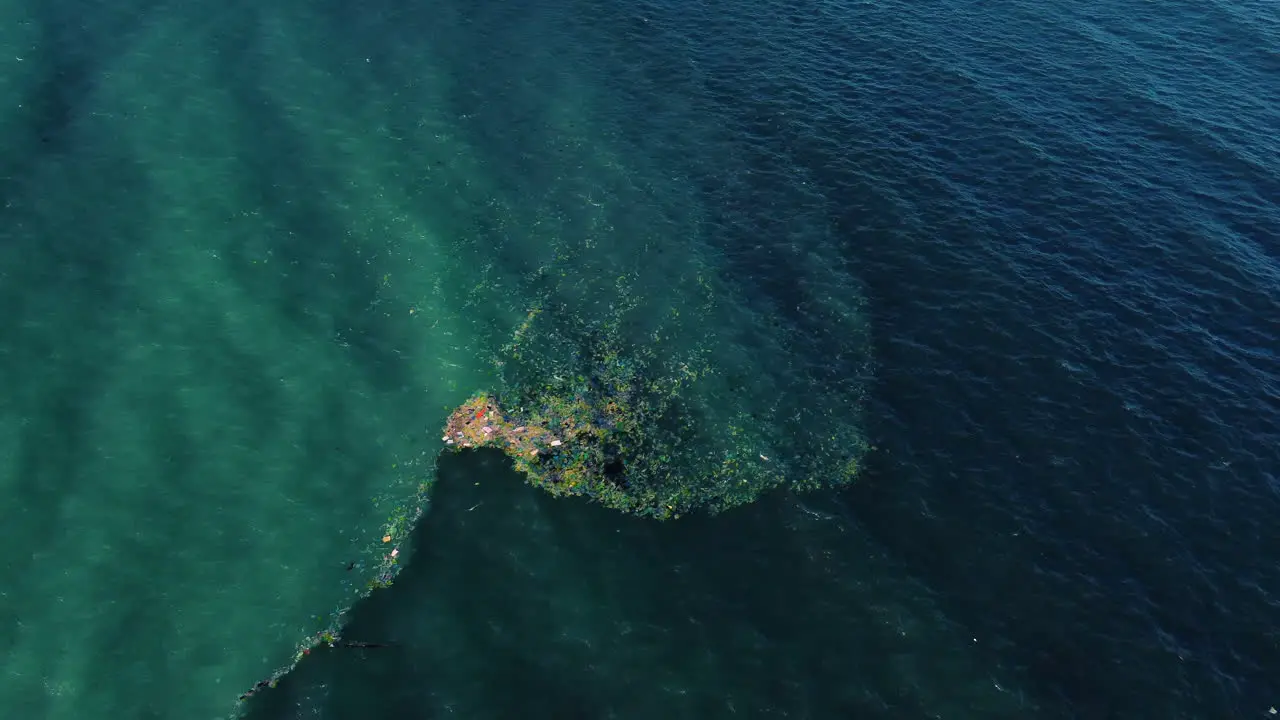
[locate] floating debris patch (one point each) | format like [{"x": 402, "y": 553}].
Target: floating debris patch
[
  {"x": 658, "y": 433},
  {"x": 566, "y": 447}
]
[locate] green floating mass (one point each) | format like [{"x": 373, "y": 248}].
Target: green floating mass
[{"x": 584, "y": 411}]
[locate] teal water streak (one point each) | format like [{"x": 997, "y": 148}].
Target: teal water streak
[{"x": 224, "y": 331}]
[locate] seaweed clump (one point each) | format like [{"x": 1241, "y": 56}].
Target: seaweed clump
[
  {"x": 583, "y": 412},
  {"x": 574, "y": 441},
  {"x": 668, "y": 402},
  {"x": 565, "y": 448}
]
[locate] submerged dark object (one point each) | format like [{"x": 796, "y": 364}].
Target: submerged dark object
[{"x": 271, "y": 682}]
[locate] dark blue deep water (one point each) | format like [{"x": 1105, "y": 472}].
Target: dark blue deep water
[{"x": 1064, "y": 224}]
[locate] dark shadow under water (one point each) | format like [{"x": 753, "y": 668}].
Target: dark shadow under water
[{"x": 515, "y": 604}]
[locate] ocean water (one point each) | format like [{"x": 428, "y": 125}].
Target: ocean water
[{"x": 252, "y": 255}]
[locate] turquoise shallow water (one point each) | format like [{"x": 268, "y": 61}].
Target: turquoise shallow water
[
  {"x": 216, "y": 363},
  {"x": 251, "y": 256}
]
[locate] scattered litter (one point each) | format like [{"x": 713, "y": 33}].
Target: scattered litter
[
  {"x": 555, "y": 443},
  {"x": 395, "y": 552},
  {"x": 764, "y": 457}
]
